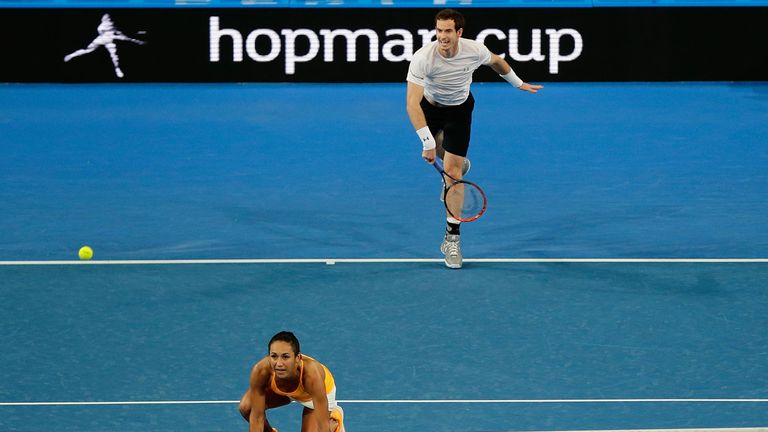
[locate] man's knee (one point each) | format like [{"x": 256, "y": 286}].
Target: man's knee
[{"x": 454, "y": 166}]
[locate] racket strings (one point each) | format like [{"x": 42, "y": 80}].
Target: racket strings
[{"x": 464, "y": 201}]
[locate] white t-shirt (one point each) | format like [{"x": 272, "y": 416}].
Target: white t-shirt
[{"x": 447, "y": 80}]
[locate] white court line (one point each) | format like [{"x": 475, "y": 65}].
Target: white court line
[
  {"x": 383, "y": 260},
  {"x": 561, "y": 401},
  {"x": 407, "y": 401},
  {"x": 740, "y": 429}
]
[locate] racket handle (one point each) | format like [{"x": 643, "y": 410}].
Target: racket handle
[{"x": 438, "y": 165}]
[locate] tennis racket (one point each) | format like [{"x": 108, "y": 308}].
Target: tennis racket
[{"x": 464, "y": 200}]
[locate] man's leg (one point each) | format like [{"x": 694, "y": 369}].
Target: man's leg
[
  {"x": 451, "y": 246},
  {"x": 466, "y": 164},
  {"x": 453, "y": 165},
  {"x": 456, "y": 143}
]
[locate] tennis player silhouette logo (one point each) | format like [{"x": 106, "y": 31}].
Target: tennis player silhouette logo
[{"x": 108, "y": 34}]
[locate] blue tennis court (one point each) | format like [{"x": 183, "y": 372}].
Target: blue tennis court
[{"x": 617, "y": 280}]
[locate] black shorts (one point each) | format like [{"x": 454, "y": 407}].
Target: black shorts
[{"x": 454, "y": 121}]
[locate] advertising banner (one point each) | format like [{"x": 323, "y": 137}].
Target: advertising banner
[{"x": 375, "y": 45}]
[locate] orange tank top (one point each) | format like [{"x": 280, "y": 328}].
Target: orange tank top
[{"x": 300, "y": 394}]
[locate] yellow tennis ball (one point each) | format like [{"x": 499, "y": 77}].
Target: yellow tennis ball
[{"x": 85, "y": 253}]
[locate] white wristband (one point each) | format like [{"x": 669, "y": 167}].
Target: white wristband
[
  {"x": 427, "y": 140},
  {"x": 512, "y": 78}
]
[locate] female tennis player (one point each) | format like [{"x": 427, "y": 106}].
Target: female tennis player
[{"x": 286, "y": 375}]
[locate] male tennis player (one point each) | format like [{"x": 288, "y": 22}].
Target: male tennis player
[
  {"x": 440, "y": 104},
  {"x": 286, "y": 375}
]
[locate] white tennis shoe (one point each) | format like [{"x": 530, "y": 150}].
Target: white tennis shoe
[{"x": 451, "y": 248}]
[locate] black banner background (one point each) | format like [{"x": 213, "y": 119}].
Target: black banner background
[{"x": 619, "y": 44}]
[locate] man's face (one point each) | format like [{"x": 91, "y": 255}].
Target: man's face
[
  {"x": 447, "y": 36},
  {"x": 283, "y": 360}
]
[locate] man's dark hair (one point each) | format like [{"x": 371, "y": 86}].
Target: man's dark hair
[
  {"x": 286, "y": 336},
  {"x": 451, "y": 14}
]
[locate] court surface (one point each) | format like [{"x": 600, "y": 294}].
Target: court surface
[{"x": 617, "y": 281}]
